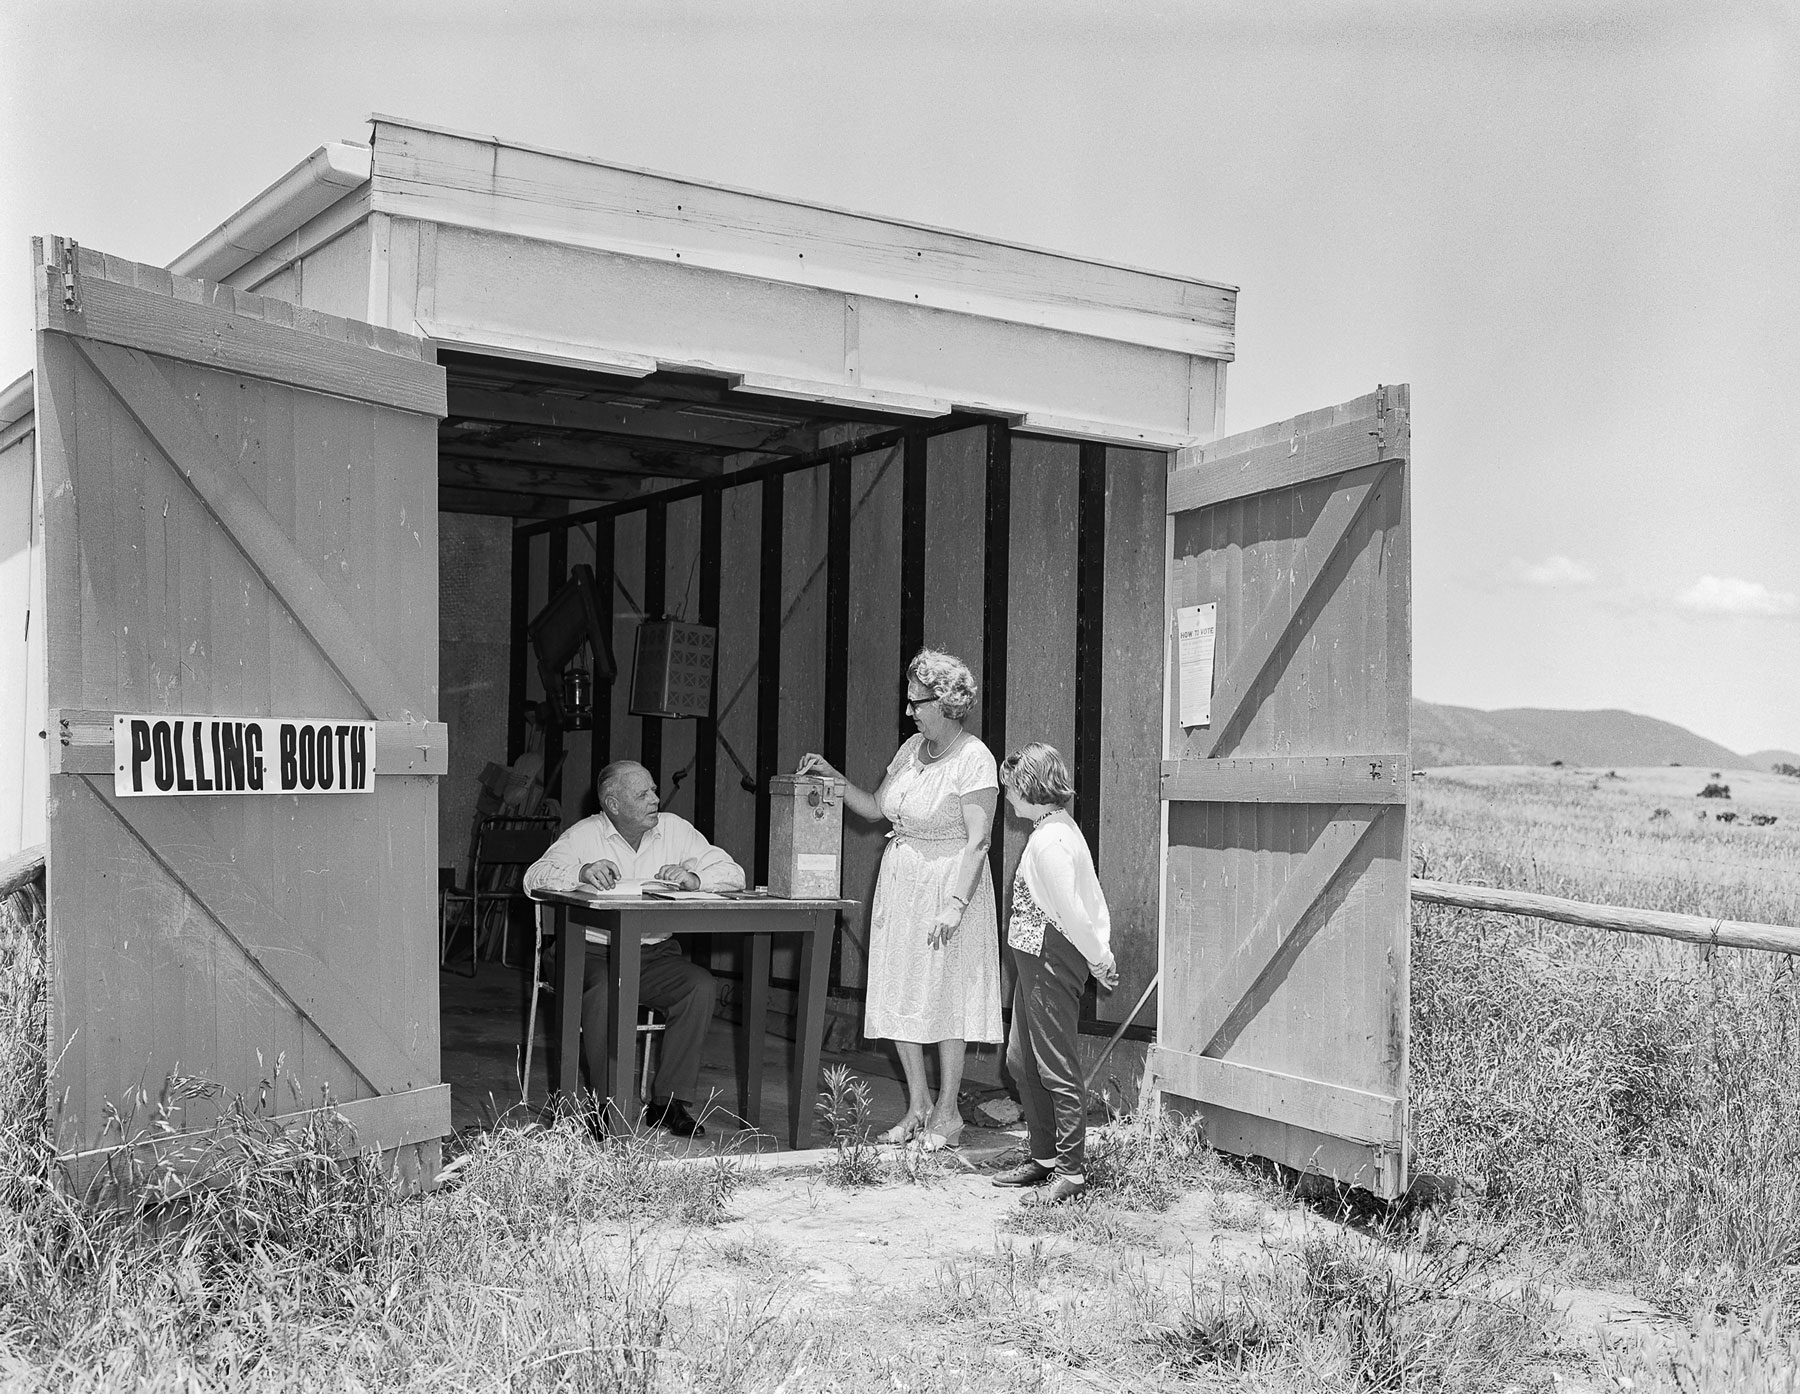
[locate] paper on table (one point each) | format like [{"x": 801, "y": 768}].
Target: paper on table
[
  {"x": 635, "y": 887},
  {"x": 1196, "y": 627},
  {"x": 683, "y": 895}
]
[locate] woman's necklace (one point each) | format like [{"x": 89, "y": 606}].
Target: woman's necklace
[{"x": 933, "y": 756}]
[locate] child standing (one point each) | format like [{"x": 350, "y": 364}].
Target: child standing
[{"x": 1059, "y": 932}]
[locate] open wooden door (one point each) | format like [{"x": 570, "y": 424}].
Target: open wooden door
[
  {"x": 1284, "y": 1002},
  {"x": 240, "y": 521}
]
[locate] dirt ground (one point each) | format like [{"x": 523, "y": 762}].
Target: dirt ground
[{"x": 1010, "y": 1294}]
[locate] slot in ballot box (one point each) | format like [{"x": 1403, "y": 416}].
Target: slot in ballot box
[{"x": 806, "y": 836}]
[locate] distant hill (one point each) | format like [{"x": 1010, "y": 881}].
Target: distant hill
[
  {"x": 1767, "y": 760},
  {"x": 1536, "y": 736}
]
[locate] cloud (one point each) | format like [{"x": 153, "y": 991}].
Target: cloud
[
  {"x": 1553, "y": 571},
  {"x": 1727, "y": 595}
]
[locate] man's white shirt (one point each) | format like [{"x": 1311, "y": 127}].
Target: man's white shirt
[{"x": 595, "y": 839}]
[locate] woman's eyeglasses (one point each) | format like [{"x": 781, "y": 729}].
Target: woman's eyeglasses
[{"x": 915, "y": 702}]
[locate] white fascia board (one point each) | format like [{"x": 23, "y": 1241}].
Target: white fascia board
[
  {"x": 330, "y": 173},
  {"x": 496, "y": 186}
]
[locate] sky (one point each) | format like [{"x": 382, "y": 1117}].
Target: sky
[{"x": 1573, "y": 227}]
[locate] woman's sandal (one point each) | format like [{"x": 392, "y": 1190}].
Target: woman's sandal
[
  {"x": 937, "y": 1139},
  {"x": 906, "y": 1128}
]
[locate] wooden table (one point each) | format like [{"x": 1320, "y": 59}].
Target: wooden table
[{"x": 758, "y": 918}]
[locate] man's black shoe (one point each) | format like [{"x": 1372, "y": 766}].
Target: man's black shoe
[{"x": 672, "y": 1116}]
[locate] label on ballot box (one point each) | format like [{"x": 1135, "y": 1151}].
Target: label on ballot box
[{"x": 806, "y": 836}]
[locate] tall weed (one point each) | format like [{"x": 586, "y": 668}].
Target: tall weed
[{"x": 845, "y": 1108}]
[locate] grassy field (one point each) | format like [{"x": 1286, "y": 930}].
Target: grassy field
[
  {"x": 1618, "y": 1112},
  {"x": 1639, "y": 837},
  {"x": 1630, "y": 1104}
]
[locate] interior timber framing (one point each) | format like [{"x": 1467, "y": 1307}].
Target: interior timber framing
[{"x": 1042, "y": 537}]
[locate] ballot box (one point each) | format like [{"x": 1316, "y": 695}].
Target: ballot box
[{"x": 806, "y": 836}]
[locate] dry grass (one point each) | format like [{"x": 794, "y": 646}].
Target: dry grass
[
  {"x": 24, "y": 1136},
  {"x": 1631, "y": 1103},
  {"x": 293, "y": 1266},
  {"x": 1354, "y": 1314}
]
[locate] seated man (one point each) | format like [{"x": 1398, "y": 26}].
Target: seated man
[{"x": 627, "y": 840}]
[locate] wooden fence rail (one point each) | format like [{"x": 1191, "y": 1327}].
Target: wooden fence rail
[{"x": 1694, "y": 929}]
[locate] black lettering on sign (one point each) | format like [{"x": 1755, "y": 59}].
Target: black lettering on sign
[
  {"x": 308, "y": 774},
  {"x": 201, "y": 782},
  {"x": 231, "y": 737},
  {"x": 222, "y": 755},
  {"x": 140, "y": 752},
  {"x": 183, "y": 783},
  {"x": 163, "y": 754}
]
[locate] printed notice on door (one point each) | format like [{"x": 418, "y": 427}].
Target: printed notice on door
[
  {"x": 1196, "y": 626},
  {"x": 241, "y": 755}
]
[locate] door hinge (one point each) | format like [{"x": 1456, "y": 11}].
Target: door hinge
[{"x": 71, "y": 277}]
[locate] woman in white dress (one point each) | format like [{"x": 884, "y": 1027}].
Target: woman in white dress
[{"x": 934, "y": 941}]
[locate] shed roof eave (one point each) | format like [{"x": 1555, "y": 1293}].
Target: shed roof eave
[
  {"x": 330, "y": 173},
  {"x": 933, "y": 229},
  {"x": 17, "y": 400}
]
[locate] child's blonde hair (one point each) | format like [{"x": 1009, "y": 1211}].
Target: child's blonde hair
[{"x": 1038, "y": 774}]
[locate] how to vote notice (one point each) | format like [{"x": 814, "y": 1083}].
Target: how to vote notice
[{"x": 155, "y": 755}]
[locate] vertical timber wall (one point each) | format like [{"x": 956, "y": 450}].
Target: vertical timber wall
[{"x": 1037, "y": 561}]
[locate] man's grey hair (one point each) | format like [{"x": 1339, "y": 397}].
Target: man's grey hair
[{"x": 612, "y": 776}]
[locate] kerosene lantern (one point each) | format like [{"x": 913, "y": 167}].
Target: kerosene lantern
[{"x": 577, "y": 695}]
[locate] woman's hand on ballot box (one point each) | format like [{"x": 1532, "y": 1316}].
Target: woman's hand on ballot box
[
  {"x": 859, "y": 801},
  {"x": 817, "y": 764}
]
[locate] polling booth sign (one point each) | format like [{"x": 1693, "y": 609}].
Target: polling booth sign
[{"x": 155, "y": 755}]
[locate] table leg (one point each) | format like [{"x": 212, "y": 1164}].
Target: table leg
[
  {"x": 753, "y": 1028},
  {"x": 571, "y": 959},
  {"x": 803, "y": 1087},
  {"x": 625, "y": 958}
]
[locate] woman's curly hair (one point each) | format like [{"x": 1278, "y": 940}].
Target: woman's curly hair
[{"x": 947, "y": 676}]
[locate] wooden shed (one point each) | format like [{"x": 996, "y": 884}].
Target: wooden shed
[{"x": 325, "y": 467}]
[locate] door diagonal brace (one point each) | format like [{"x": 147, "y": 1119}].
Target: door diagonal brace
[
  {"x": 1323, "y": 539},
  {"x": 172, "y": 427},
  {"x": 1264, "y": 955},
  {"x": 291, "y": 964}
]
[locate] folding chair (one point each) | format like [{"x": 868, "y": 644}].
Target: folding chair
[
  {"x": 650, "y": 1022},
  {"x": 503, "y": 846}
]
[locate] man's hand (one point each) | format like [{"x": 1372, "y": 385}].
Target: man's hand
[
  {"x": 601, "y": 876},
  {"x": 681, "y": 877},
  {"x": 1106, "y": 972}
]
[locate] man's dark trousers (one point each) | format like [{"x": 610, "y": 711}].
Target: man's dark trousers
[{"x": 682, "y": 991}]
